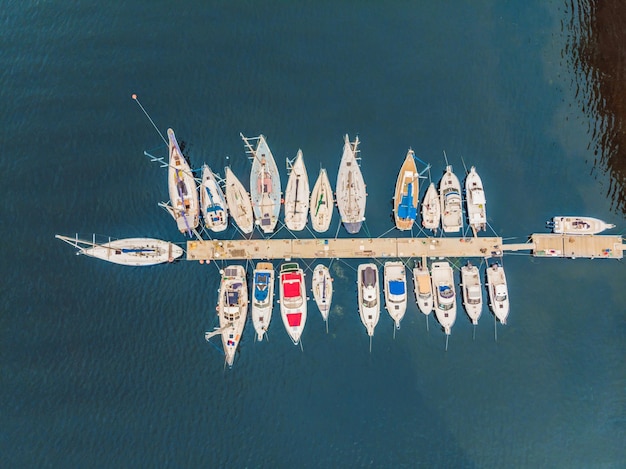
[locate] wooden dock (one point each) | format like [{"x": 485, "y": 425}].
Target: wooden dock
[{"x": 540, "y": 245}]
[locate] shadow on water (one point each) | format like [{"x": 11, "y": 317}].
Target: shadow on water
[{"x": 596, "y": 51}]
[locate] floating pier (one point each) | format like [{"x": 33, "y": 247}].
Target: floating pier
[{"x": 539, "y": 245}]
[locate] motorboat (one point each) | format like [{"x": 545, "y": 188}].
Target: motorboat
[
  {"x": 129, "y": 251},
  {"x": 293, "y": 309},
  {"x": 498, "y": 292},
  {"x": 423, "y": 288},
  {"x": 184, "y": 205},
  {"x": 369, "y": 297},
  {"x": 238, "y": 201},
  {"x": 394, "y": 277},
  {"x": 350, "y": 193},
  {"x": 262, "y": 297},
  {"x": 579, "y": 225},
  {"x": 232, "y": 309},
  {"x": 472, "y": 291},
  {"x": 322, "y": 203},
  {"x": 450, "y": 200},
  {"x": 405, "y": 199},
  {"x": 212, "y": 202},
  {"x": 297, "y": 195},
  {"x": 431, "y": 209},
  {"x": 445, "y": 295},
  {"x": 264, "y": 183},
  {"x": 323, "y": 290},
  {"x": 476, "y": 201}
]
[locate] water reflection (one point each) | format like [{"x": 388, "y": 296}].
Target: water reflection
[{"x": 596, "y": 47}]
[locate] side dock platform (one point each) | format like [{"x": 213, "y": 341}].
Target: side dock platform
[{"x": 539, "y": 245}]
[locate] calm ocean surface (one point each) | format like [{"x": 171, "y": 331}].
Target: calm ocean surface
[{"x": 107, "y": 366}]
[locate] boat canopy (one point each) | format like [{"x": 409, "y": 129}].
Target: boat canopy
[
  {"x": 291, "y": 289},
  {"x": 407, "y": 209},
  {"x": 396, "y": 287},
  {"x": 368, "y": 277},
  {"x": 445, "y": 291},
  {"x": 294, "y": 319}
]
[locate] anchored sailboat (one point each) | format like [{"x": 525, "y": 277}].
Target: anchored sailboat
[
  {"x": 350, "y": 193},
  {"x": 297, "y": 195}
]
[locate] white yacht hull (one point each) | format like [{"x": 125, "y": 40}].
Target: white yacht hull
[
  {"x": 472, "y": 292},
  {"x": 293, "y": 307},
  {"x": 476, "y": 201},
  {"x": 498, "y": 292},
  {"x": 423, "y": 289},
  {"x": 579, "y": 225},
  {"x": 262, "y": 298},
  {"x": 394, "y": 276},
  {"x": 450, "y": 200},
  {"x": 431, "y": 209},
  {"x": 444, "y": 295},
  {"x": 369, "y": 296},
  {"x": 232, "y": 309}
]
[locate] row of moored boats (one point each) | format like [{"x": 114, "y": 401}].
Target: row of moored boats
[
  {"x": 262, "y": 204},
  {"x": 434, "y": 291}
]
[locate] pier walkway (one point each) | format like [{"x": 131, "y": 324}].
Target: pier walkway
[{"x": 540, "y": 245}]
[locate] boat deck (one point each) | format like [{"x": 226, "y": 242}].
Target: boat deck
[{"x": 540, "y": 245}]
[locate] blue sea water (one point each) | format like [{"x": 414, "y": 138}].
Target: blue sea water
[{"x": 107, "y": 366}]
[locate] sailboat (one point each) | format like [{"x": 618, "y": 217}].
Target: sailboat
[
  {"x": 431, "y": 209},
  {"x": 297, "y": 195},
  {"x": 472, "y": 292},
  {"x": 476, "y": 202},
  {"x": 238, "y": 201},
  {"x": 262, "y": 297},
  {"x": 321, "y": 203},
  {"x": 498, "y": 292},
  {"x": 394, "y": 276},
  {"x": 405, "y": 198},
  {"x": 423, "y": 288},
  {"x": 369, "y": 297},
  {"x": 264, "y": 184},
  {"x": 445, "y": 296},
  {"x": 323, "y": 290},
  {"x": 293, "y": 308},
  {"x": 129, "y": 251},
  {"x": 212, "y": 202},
  {"x": 450, "y": 196},
  {"x": 232, "y": 309},
  {"x": 350, "y": 192},
  {"x": 183, "y": 192}
]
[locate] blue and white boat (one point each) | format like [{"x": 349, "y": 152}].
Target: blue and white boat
[
  {"x": 394, "y": 276},
  {"x": 405, "y": 199},
  {"x": 212, "y": 202},
  {"x": 262, "y": 297}
]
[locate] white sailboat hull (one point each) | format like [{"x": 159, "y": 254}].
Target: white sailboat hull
[
  {"x": 232, "y": 309},
  {"x": 297, "y": 195},
  {"x": 185, "y": 207},
  {"x": 213, "y": 202},
  {"x": 265, "y": 185},
  {"x": 431, "y": 209},
  {"x": 322, "y": 289},
  {"x": 129, "y": 251},
  {"x": 350, "y": 192},
  {"x": 238, "y": 201},
  {"x": 322, "y": 203}
]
